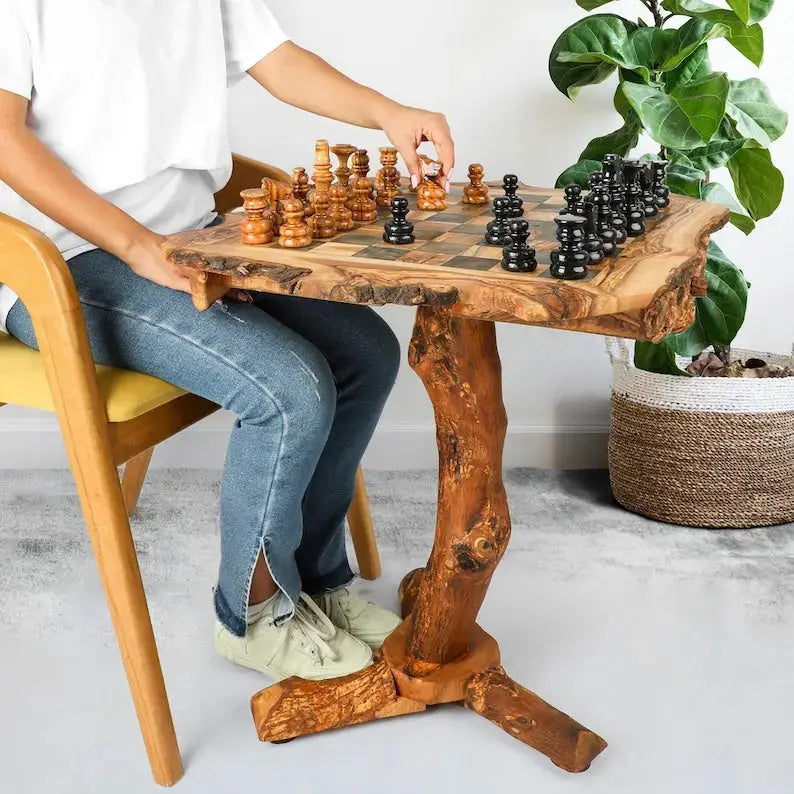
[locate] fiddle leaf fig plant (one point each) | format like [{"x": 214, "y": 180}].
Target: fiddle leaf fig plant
[{"x": 702, "y": 121}]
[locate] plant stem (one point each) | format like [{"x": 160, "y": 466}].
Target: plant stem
[{"x": 653, "y": 7}]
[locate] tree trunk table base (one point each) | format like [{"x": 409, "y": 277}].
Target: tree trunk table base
[{"x": 439, "y": 654}]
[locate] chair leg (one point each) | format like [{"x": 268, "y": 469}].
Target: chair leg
[
  {"x": 359, "y": 519},
  {"x": 132, "y": 480}
]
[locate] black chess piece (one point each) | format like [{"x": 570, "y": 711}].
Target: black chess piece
[
  {"x": 573, "y": 200},
  {"x": 399, "y": 231},
  {"x": 660, "y": 189},
  {"x": 602, "y": 208},
  {"x": 648, "y": 196},
  {"x": 498, "y": 230},
  {"x": 613, "y": 181},
  {"x": 569, "y": 261},
  {"x": 518, "y": 256},
  {"x": 594, "y": 179},
  {"x": 633, "y": 206},
  {"x": 510, "y": 185},
  {"x": 592, "y": 241}
]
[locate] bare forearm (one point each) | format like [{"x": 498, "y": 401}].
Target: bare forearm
[
  {"x": 43, "y": 180},
  {"x": 304, "y": 80}
]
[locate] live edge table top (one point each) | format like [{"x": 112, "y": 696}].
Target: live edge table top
[{"x": 645, "y": 292}]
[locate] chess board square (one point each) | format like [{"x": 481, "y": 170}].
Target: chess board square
[
  {"x": 484, "y": 252},
  {"x": 472, "y": 263},
  {"x": 450, "y": 217},
  {"x": 445, "y": 248},
  {"x": 479, "y": 222},
  {"x": 423, "y": 233},
  {"x": 540, "y": 215},
  {"x": 381, "y": 252},
  {"x": 422, "y": 257},
  {"x": 456, "y": 237},
  {"x": 360, "y": 236},
  {"x": 421, "y": 215}
]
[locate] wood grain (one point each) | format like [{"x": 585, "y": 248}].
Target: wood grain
[
  {"x": 528, "y": 718},
  {"x": 458, "y": 362},
  {"x": 668, "y": 259},
  {"x": 297, "y": 707}
]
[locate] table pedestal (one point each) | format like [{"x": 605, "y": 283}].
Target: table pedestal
[{"x": 439, "y": 654}]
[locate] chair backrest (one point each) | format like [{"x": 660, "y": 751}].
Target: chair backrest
[{"x": 246, "y": 173}]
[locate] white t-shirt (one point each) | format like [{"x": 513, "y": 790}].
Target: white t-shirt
[{"x": 131, "y": 95}]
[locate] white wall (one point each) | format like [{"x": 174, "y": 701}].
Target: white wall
[{"x": 485, "y": 66}]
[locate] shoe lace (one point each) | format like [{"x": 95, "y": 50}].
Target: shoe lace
[
  {"x": 350, "y": 606},
  {"x": 316, "y": 628}
]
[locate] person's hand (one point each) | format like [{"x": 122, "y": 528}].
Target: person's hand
[
  {"x": 146, "y": 259},
  {"x": 408, "y": 127}
]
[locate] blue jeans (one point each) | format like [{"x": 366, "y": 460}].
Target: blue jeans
[{"x": 307, "y": 380}]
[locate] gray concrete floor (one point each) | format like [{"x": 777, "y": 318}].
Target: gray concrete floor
[{"x": 676, "y": 645}]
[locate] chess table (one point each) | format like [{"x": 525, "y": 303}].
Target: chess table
[{"x": 439, "y": 654}]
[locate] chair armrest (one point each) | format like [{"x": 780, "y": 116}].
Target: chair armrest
[
  {"x": 32, "y": 266},
  {"x": 246, "y": 173}
]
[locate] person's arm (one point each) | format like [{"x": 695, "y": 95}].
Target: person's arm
[
  {"x": 304, "y": 80},
  {"x": 44, "y": 181}
]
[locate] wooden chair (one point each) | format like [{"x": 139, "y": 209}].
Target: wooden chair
[{"x": 109, "y": 417}]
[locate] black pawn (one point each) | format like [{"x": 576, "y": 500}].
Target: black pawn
[
  {"x": 518, "y": 256},
  {"x": 399, "y": 231},
  {"x": 648, "y": 196},
  {"x": 612, "y": 173},
  {"x": 510, "y": 185},
  {"x": 498, "y": 230},
  {"x": 595, "y": 179},
  {"x": 573, "y": 200},
  {"x": 569, "y": 261},
  {"x": 660, "y": 189},
  {"x": 592, "y": 241},
  {"x": 633, "y": 206},
  {"x": 601, "y": 201}
]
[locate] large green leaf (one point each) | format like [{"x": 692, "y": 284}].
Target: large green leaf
[
  {"x": 754, "y": 112},
  {"x": 757, "y": 9},
  {"x": 716, "y": 154},
  {"x": 747, "y": 39},
  {"x": 684, "y": 179},
  {"x": 658, "y": 358},
  {"x": 620, "y": 142},
  {"x": 695, "y": 67},
  {"x": 719, "y": 194},
  {"x": 689, "y": 37},
  {"x": 604, "y": 34},
  {"x": 589, "y": 5},
  {"x": 687, "y": 117},
  {"x": 759, "y": 184},
  {"x": 577, "y": 174}
]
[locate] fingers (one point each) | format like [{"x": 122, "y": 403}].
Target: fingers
[
  {"x": 407, "y": 149},
  {"x": 438, "y": 132}
]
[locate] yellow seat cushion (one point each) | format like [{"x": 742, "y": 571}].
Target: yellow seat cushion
[{"x": 126, "y": 394}]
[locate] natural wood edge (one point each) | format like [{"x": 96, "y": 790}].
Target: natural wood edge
[
  {"x": 408, "y": 590},
  {"x": 441, "y": 683},
  {"x": 296, "y": 707},
  {"x": 528, "y": 718}
]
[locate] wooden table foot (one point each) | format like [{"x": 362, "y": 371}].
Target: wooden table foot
[
  {"x": 296, "y": 707},
  {"x": 522, "y": 714}
]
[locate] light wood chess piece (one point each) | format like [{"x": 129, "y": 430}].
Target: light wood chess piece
[
  {"x": 343, "y": 152},
  {"x": 430, "y": 195},
  {"x": 475, "y": 192},
  {"x": 295, "y": 232},
  {"x": 360, "y": 167},
  {"x": 277, "y": 193},
  {"x": 322, "y": 222},
  {"x": 387, "y": 180},
  {"x": 343, "y": 217},
  {"x": 363, "y": 209},
  {"x": 257, "y": 228},
  {"x": 300, "y": 190}
]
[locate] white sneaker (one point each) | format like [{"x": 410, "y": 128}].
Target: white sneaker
[
  {"x": 368, "y": 622},
  {"x": 308, "y": 645}
]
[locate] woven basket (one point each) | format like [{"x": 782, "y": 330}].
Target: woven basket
[{"x": 702, "y": 452}]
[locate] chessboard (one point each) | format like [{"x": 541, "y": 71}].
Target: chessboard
[{"x": 450, "y": 264}]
